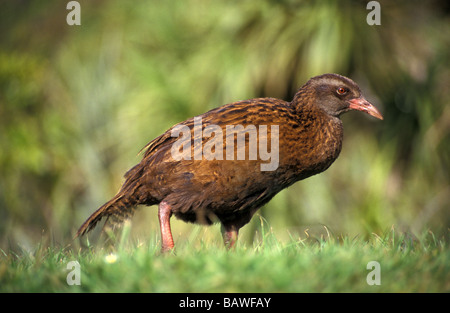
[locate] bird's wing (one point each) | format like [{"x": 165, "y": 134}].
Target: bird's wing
[{"x": 241, "y": 112}]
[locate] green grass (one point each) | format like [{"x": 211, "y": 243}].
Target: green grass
[{"x": 299, "y": 265}]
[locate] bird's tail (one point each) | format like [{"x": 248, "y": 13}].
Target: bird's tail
[{"x": 117, "y": 210}]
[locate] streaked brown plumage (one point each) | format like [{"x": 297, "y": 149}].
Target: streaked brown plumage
[{"x": 231, "y": 191}]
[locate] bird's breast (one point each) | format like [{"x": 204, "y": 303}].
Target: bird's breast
[{"x": 312, "y": 149}]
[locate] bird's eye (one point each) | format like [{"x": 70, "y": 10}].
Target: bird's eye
[{"x": 341, "y": 91}]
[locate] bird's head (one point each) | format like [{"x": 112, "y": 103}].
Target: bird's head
[{"x": 336, "y": 94}]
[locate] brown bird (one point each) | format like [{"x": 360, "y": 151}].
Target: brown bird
[{"x": 223, "y": 165}]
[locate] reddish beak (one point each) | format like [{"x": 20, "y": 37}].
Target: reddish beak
[{"x": 363, "y": 105}]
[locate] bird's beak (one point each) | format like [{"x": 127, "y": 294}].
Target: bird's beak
[{"x": 363, "y": 105}]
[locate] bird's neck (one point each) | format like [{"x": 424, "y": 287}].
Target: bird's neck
[{"x": 318, "y": 142}]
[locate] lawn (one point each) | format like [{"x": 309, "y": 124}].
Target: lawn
[{"x": 332, "y": 264}]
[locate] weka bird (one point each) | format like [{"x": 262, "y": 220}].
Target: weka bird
[{"x": 224, "y": 183}]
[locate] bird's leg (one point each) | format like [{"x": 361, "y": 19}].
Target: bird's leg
[
  {"x": 229, "y": 235},
  {"x": 164, "y": 214}
]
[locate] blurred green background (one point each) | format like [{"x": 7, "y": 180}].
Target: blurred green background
[{"x": 77, "y": 103}]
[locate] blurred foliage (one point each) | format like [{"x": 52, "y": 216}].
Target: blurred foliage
[{"x": 77, "y": 103}]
